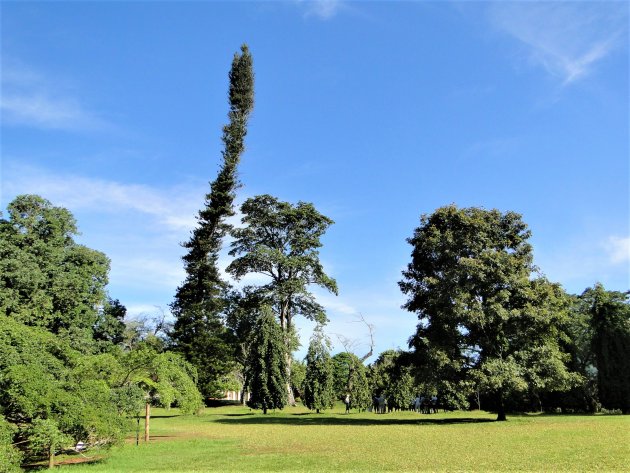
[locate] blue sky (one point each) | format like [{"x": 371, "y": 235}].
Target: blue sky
[{"x": 377, "y": 112}]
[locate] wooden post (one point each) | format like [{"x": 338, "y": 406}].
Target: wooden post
[{"x": 147, "y": 418}]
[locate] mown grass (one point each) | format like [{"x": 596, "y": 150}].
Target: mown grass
[{"x": 236, "y": 439}]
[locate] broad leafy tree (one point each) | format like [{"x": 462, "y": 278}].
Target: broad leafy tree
[
  {"x": 319, "y": 393},
  {"x": 481, "y": 318},
  {"x": 281, "y": 241},
  {"x": 46, "y": 278},
  {"x": 164, "y": 378},
  {"x": 199, "y": 332},
  {"x": 266, "y": 366},
  {"x": 52, "y": 394}
]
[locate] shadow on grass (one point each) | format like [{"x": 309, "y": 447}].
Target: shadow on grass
[
  {"x": 314, "y": 419},
  {"x": 66, "y": 460}
]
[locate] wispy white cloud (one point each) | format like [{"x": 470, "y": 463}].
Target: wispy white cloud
[
  {"x": 322, "y": 9},
  {"x": 30, "y": 99},
  {"x": 567, "y": 39},
  {"x": 174, "y": 209},
  {"x": 139, "y": 227},
  {"x": 584, "y": 260},
  {"x": 618, "y": 249}
]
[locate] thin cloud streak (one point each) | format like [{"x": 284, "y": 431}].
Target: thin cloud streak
[
  {"x": 322, "y": 9},
  {"x": 566, "y": 39}
]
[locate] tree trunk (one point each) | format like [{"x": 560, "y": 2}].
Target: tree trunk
[
  {"x": 51, "y": 458},
  {"x": 290, "y": 396},
  {"x": 138, "y": 429},
  {"x": 243, "y": 391},
  {"x": 264, "y": 410},
  {"x": 500, "y": 407},
  {"x": 147, "y": 418}
]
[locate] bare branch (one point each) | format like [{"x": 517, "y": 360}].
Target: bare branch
[{"x": 371, "y": 331}]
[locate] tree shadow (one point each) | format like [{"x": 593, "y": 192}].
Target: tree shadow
[{"x": 313, "y": 419}]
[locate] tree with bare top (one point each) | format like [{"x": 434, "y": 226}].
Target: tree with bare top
[{"x": 356, "y": 384}]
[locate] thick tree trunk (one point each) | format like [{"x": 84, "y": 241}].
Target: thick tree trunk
[
  {"x": 243, "y": 391},
  {"x": 51, "y": 458},
  {"x": 147, "y": 419}
]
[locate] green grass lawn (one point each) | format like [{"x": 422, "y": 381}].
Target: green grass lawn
[{"x": 236, "y": 439}]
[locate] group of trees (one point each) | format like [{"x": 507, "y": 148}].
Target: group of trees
[
  {"x": 491, "y": 329},
  {"x": 490, "y": 324},
  {"x": 230, "y": 333},
  {"x": 71, "y": 370}
]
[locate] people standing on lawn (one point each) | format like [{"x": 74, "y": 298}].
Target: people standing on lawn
[
  {"x": 346, "y": 401},
  {"x": 382, "y": 404},
  {"x": 417, "y": 403}
]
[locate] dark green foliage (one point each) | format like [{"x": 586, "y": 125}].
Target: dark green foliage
[
  {"x": 350, "y": 378},
  {"x": 319, "y": 391},
  {"x": 298, "y": 374},
  {"x": 109, "y": 328},
  {"x": 359, "y": 388},
  {"x": 342, "y": 362},
  {"x": 482, "y": 320},
  {"x": 266, "y": 368},
  {"x": 380, "y": 374},
  {"x": 391, "y": 376},
  {"x": 46, "y": 279},
  {"x": 242, "y": 313},
  {"x": 199, "y": 332},
  {"x": 610, "y": 319}
]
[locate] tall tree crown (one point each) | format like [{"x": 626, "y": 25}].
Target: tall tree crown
[
  {"x": 199, "y": 332},
  {"x": 481, "y": 317}
]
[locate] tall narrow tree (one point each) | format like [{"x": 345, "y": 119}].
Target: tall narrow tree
[
  {"x": 319, "y": 393},
  {"x": 199, "y": 333},
  {"x": 266, "y": 367}
]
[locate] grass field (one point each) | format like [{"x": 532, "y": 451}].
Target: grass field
[{"x": 236, "y": 439}]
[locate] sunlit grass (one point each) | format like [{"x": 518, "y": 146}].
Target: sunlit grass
[{"x": 236, "y": 439}]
